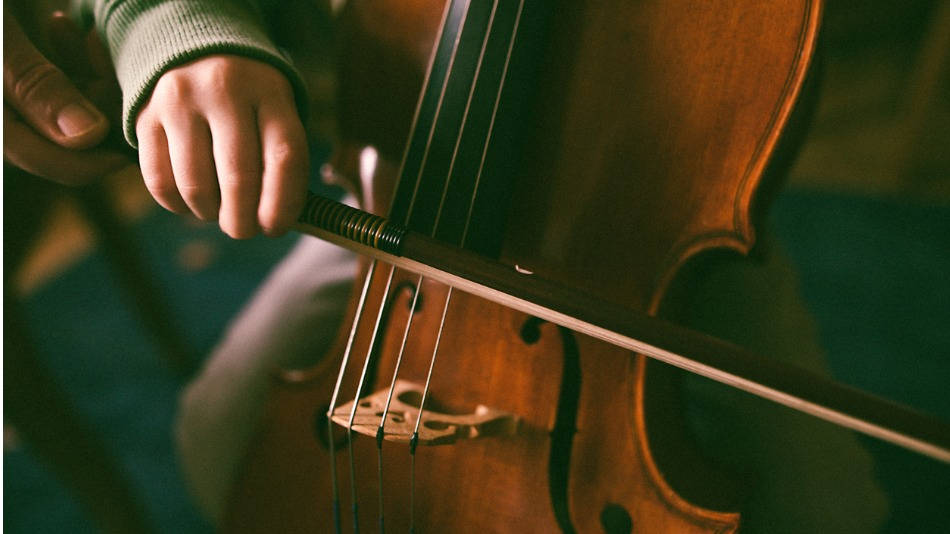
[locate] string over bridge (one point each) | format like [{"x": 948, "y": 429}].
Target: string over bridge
[{"x": 436, "y": 428}]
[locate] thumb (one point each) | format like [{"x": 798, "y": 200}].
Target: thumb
[{"x": 44, "y": 96}]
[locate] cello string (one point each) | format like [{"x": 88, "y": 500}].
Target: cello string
[
  {"x": 369, "y": 351},
  {"x": 413, "y": 441},
  {"x": 379, "y": 485},
  {"x": 370, "y": 272},
  {"x": 491, "y": 123},
  {"x": 362, "y": 380},
  {"x": 380, "y": 432},
  {"x": 445, "y": 189},
  {"x": 336, "y": 391},
  {"x": 392, "y": 385},
  {"x": 386, "y": 292}
]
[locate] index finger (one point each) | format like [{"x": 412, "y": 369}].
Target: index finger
[{"x": 286, "y": 167}]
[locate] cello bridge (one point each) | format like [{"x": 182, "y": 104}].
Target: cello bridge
[{"x": 436, "y": 429}]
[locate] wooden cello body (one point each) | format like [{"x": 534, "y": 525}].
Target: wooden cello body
[{"x": 647, "y": 143}]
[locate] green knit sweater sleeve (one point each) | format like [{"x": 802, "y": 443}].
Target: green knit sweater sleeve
[{"x": 146, "y": 38}]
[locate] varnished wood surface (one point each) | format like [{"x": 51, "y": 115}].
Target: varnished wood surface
[
  {"x": 656, "y": 122},
  {"x": 759, "y": 374},
  {"x": 699, "y": 96}
]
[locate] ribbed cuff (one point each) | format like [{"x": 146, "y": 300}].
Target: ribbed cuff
[{"x": 148, "y": 38}]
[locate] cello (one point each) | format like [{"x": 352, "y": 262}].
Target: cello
[{"x": 628, "y": 139}]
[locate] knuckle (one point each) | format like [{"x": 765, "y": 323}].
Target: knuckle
[
  {"x": 236, "y": 170},
  {"x": 149, "y": 131},
  {"x": 282, "y": 155},
  {"x": 194, "y": 190},
  {"x": 283, "y": 151},
  {"x": 171, "y": 88},
  {"x": 209, "y": 75},
  {"x": 36, "y": 78},
  {"x": 220, "y": 67},
  {"x": 160, "y": 186},
  {"x": 221, "y": 74},
  {"x": 203, "y": 199},
  {"x": 236, "y": 181}
]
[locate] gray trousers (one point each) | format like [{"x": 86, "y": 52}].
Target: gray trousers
[{"x": 809, "y": 476}]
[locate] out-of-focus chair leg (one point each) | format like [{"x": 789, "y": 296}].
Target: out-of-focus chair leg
[
  {"x": 119, "y": 247},
  {"x": 42, "y": 414}
]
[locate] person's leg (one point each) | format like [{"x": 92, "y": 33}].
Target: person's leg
[
  {"x": 290, "y": 323},
  {"x": 808, "y": 475}
]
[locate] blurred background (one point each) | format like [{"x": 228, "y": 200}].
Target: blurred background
[{"x": 865, "y": 216}]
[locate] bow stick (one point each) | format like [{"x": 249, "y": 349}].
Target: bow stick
[{"x": 376, "y": 237}]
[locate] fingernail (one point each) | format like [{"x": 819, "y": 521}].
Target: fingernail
[{"x": 75, "y": 119}]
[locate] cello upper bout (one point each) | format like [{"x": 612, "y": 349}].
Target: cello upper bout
[{"x": 661, "y": 116}]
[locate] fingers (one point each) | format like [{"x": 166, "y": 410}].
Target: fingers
[
  {"x": 237, "y": 157},
  {"x": 221, "y": 137},
  {"x": 286, "y": 167},
  {"x": 41, "y": 157},
  {"x": 44, "y": 96},
  {"x": 157, "y": 168},
  {"x": 189, "y": 145}
]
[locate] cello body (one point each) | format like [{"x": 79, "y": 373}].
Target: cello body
[{"x": 653, "y": 128}]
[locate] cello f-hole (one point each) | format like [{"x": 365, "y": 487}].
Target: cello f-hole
[
  {"x": 565, "y": 421},
  {"x": 373, "y": 369},
  {"x": 409, "y": 287}
]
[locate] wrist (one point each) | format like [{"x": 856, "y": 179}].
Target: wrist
[{"x": 147, "y": 41}]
